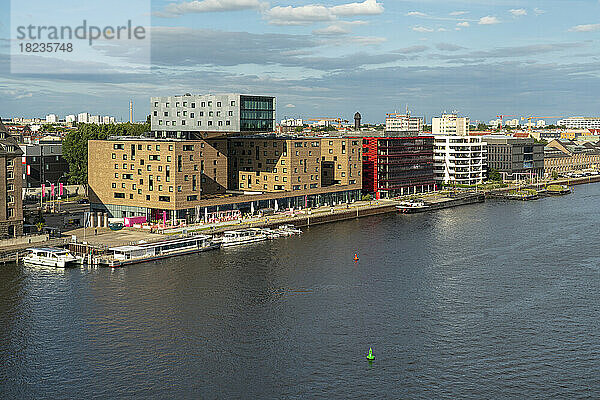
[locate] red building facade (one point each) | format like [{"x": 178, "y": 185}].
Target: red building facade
[{"x": 395, "y": 166}]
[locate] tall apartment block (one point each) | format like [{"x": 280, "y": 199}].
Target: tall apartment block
[
  {"x": 403, "y": 124},
  {"x": 11, "y": 183},
  {"x": 205, "y": 116},
  {"x": 395, "y": 166},
  {"x": 459, "y": 159},
  {"x": 450, "y": 124}
]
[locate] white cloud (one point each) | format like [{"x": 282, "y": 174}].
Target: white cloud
[
  {"x": 367, "y": 40},
  {"x": 334, "y": 29},
  {"x": 457, "y": 13},
  {"x": 290, "y": 105},
  {"x": 422, "y": 29},
  {"x": 442, "y": 30},
  {"x": 415, "y": 14},
  {"x": 518, "y": 12},
  {"x": 367, "y": 7},
  {"x": 204, "y": 6},
  {"x": 464, "y": 24},
  {"x": 306, "y": 15},
  {"x": 488, "y": 20},
  {"x": 538, "y": 11},
  {"x": 585, "y": 28}
]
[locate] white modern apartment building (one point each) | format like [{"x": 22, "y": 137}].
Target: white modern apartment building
[
  {"x": 200, "y": 116},
  {"x": 580, "y": 123},
  {"x": 459, "y": 159},
  {"x": 83, "y": 118},
  {"x": 403, "y": 123},
  {"x": 495, "y": 123},
  {"x": 51, "y": 118},
  {"x": 513, "y": 123},
  {"x": 450, "y": 124}
]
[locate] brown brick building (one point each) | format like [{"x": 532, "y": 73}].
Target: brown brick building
[
  {"x": 11, "y": 184},
  {"x": 187, "y": 178}
]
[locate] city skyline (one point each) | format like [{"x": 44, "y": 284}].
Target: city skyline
[{"x": 333, "y": 58}]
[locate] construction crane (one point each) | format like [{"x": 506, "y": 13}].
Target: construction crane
[
  {"x": 501, "y": 118},
  {"x": 531, "y": 117}
]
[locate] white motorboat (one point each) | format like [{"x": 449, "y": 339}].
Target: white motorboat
[
  {"x": 288, "y": 230},
  {"x": 234, "y": 238},
  {"x": 51, "y": 257}
]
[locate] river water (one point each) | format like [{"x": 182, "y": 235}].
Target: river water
[{"x": 494, "y": 300}]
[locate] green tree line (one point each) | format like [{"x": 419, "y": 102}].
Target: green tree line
[{"x": 75, "y": 145}]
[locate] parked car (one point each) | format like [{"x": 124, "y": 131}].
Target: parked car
[{"x": 83, "y": 201}]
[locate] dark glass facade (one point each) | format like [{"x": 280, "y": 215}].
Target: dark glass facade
[
  {"x": 257, "y": 114},
  {"x": 395, "y": 166}
]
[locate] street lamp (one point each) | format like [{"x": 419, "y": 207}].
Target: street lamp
[{"x": 58, "y": 183}]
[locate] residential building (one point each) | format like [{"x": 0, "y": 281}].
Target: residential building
[
  {"x": 269, "y": 164},
  {"x": 43, "y": 163},
  {"x": 563, "y": 155},
  {"x": 512, "y": 156},
  {"x": 185, "y": 179},
  {"x": 11, "y": 203},
  {"x": 495, "y": 123},
  {"x": 580, "y": 122},
  {"x": 450, "y": 124},
  {"x": 144, "y": 176},
  {"x": 203, "y": 116},
  {"x": 540, "y": 123},
  {"x": 404, "y": 124},
  {"x": 83, "y": 118},
  {"x": 459, "y": 159},
  {"x": 512, "y": 123},
  {"x": 395, "y": 166},
  {"x": 51, "y": 119}
]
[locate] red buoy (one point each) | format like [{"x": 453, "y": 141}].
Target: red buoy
[{"x": 355, "y": 257}]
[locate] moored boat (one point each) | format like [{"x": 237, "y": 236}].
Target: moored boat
[
  {"x": 244, "y": 236},
  {"x": 51, "y": 257},
  {"x": 125, "y": 255}
]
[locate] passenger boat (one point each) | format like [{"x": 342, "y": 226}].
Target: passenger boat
[
  {"x": 125, "y": 255},
  {"x": 409, "y": 207},
  {"x": 234, "y": 238},
  {"x": 51, "y": 257},
  {"x": 272, "y": 233}
]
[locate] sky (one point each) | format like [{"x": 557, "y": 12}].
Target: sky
[{"x": 333, "y": 58}]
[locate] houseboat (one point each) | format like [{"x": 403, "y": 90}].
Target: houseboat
[
  {"x": 51, "y": 257},
  {"x": 234, "y": 238},
  {"x": 125, "y": 255}
]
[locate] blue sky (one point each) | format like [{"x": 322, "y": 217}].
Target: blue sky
[{"x": 332, "y": 58}]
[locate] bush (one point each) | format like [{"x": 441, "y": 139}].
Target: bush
[{"x": 367, "y": 197}]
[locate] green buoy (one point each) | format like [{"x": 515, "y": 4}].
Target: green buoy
[{"x": 370, "y": 357}]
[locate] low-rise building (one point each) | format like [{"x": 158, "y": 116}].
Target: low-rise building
[
  {"x": 562, "y": 155},
  {"x": 512, "y": 156},
  {"x": 395, "y": 166},
  {"x": 459, "y": 159},
  {"x": 11, "y": 203},
  {"x": 580, "y": 122}
]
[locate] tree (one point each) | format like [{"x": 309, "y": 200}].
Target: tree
[
  {"x": 75, "y": 148},
  {"x": 494, "y": 176},
  {"x": 554, "y": 175},
  {"x": 299, "y": 129},
  {"x": 482, "y": 127}
]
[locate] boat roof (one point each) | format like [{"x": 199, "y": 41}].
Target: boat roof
[
  {"x": 126, "y": 248},
  {"x": 47, "y": 249}
]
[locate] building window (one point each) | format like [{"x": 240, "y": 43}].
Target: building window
[
  {"x": 114, "y": 156},
  {"x": 164, "y": 198},
  {"x": 119, "y": 195}
]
